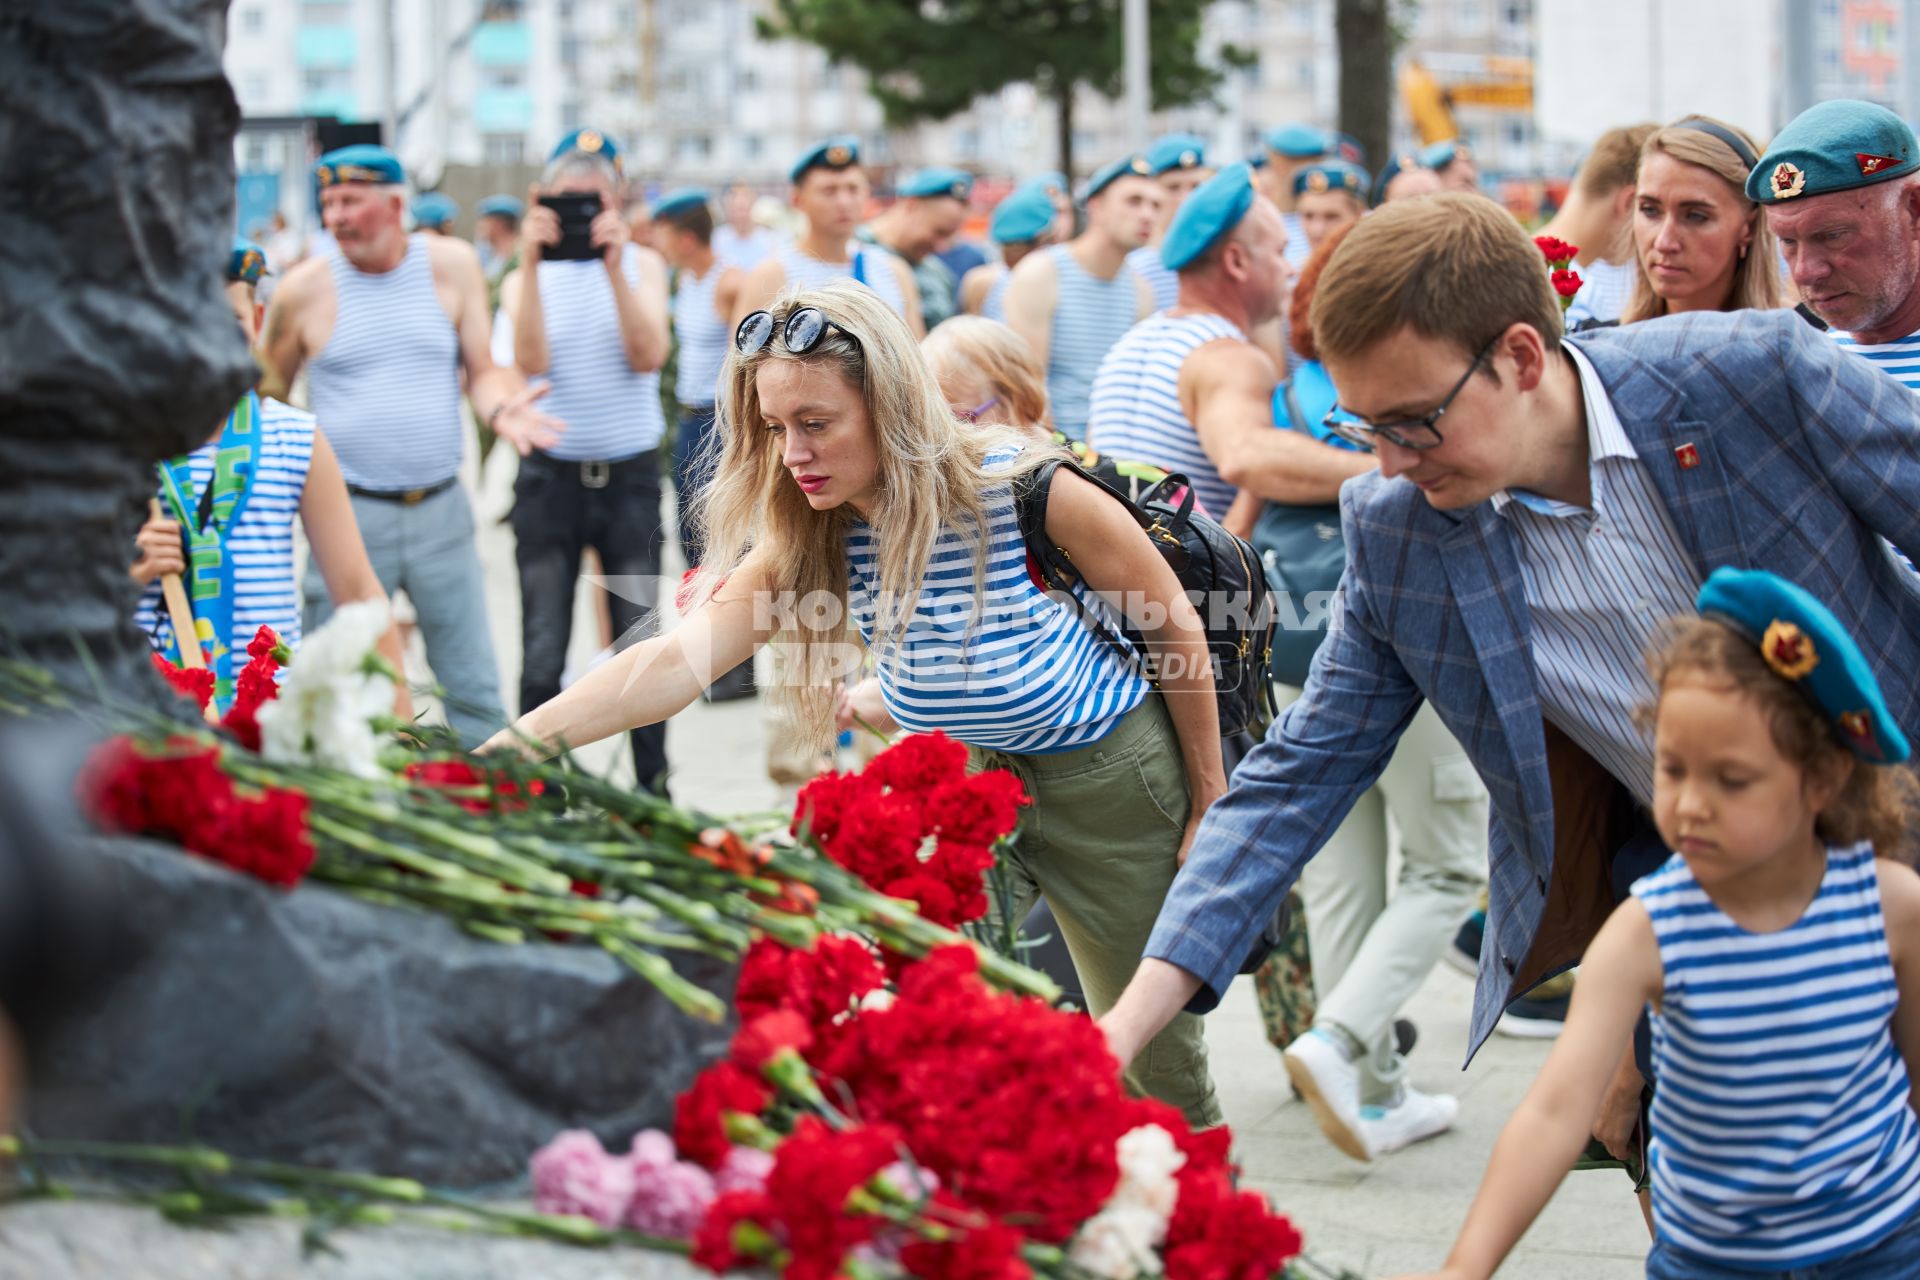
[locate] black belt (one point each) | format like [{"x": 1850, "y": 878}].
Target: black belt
[
  {"x": 594, "y": 473},
  {"x": 406, "y": 497}
]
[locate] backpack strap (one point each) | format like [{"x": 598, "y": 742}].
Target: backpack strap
[{"x": 1055, "y": 566}]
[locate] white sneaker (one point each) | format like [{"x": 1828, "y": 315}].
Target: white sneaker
[
  {"x": 1331, "y": 1086},
  {"x": 1419, "y": 1115}
]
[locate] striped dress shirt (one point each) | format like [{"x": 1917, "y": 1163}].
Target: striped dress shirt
[{"x": 1600, "y": 583}]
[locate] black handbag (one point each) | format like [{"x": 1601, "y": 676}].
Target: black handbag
[{"x": 1303, "y": 555}]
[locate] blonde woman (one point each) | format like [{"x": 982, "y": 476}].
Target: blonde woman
[
  {"x": 1702, "y": 245},
  {"x": 847, "y": 502}
]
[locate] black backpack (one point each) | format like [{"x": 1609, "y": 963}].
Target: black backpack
[{"x": 1220, "y": 573}]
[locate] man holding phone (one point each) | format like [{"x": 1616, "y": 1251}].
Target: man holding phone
[
  {"x": 389, "y": 329},
  {"x": 587, "y": 312}
]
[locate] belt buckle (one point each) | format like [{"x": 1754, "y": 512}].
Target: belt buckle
[
  {"x": 595, "y": 475},
  {"x": 413, "y": 497}
]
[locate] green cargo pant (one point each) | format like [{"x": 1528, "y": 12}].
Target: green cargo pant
[{"x": 1100, "y": 843}]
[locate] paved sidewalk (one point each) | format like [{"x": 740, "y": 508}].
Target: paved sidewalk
[{"x": 1397, "y": 1214}]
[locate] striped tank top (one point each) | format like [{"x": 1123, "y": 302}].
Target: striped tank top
[
  {"x": 261, "y": 544},
  {"x": 1088, "y": 318},
  {"x": 1135, "y": 411},
  {"x": 611, "y": 412},
  {"x": 1899, "y": 360},
  {"x": 994, "y": 305},
  {"x": 1782, "y": 1132},
  {"x": 702, "y": 337},
  {"x": 871, "y": 266},
  {"x": 387, "y": 384},
  {"x": 1010, "y": 669},
  {"x": 1165, "y": 284}
]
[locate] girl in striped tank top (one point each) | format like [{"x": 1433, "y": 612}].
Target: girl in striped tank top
[
  {"x": 851, "y": 510},
  {"x": 1779, "y": 952}
]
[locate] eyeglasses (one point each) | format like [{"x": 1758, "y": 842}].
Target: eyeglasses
[
  {"x": 1408, "y": 433},
  {"x": 973, "y": 414},
  {"x": 802, "y": 331}
]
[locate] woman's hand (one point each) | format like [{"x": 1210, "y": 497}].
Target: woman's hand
[
  {"x": 1202, "y": 800},
  {"x": 160, "y": 552},
  {"x": 861, "y": 702},
  {"x": 1620, "y": 1111}
]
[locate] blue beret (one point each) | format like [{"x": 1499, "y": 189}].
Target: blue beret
[
  {"x": 1397, "y": 163},
  {"x": 1333, "y": 175},
  {"x": 929, "y": 183},
  {"x": 1213, "y": 210},
  {"x": 431, "y": 209},
  {"x": 1441, "y": 154},
  {"x": 1104, "y": 178},
  {"x": 1177, "y": 151},
  {"x": 1024, "y": 215},
  {"x": 1349, "y": 149},
  {"x": 1835, "y": 146},
  {"x": 500, "y": 207},
  {"x": 1053, "y": 182},
  {"x": 833, "y": 153},
  {"x": 1298, "y": 141},
  {"x": 247, "y": 263},
  {"x": 588, "y": 142},
  {"x": 362, "y": 162},
  {"x": 680, "y": 200},
  {"x": 1804, "y": 643}
]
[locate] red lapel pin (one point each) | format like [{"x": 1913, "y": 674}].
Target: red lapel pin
[{"x": 1687, "y": 456}]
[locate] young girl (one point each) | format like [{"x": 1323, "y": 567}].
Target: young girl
[{"x": 1780, "y": 951}]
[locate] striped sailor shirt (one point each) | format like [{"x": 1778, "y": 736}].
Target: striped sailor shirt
[{"x": 1600, "y": 582}]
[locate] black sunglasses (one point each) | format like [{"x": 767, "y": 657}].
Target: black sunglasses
[
  {"x": 1408, "y": 433},
  {"x": 802, "y": 331}
]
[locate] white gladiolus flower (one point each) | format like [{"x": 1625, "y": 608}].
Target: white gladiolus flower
[{"x": 331, "y": 693}]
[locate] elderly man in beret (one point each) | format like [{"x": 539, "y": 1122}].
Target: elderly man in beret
[{"x": 1840, "y": 191}]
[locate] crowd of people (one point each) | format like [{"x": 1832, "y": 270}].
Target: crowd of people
[{"x": 1606, "y": 606}]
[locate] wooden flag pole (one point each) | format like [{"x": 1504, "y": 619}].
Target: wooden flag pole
[{"x": 179, "y": 611}]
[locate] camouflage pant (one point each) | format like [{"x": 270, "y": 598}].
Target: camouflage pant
[{"x": 1284, "y": 984}]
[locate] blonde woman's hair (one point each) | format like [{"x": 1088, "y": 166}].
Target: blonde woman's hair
[
  {"x": 1756, "y": 277},
  {"x": 932, "y": 478},
  {"x": 996, "y": 353}
]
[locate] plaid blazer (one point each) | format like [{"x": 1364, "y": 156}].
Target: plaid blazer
[{"x": 1772, "y": 448}]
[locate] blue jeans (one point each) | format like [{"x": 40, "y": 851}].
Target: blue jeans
[
  {"x": 691, "y": 469},
  {"x": 427, "y": 550},
  {"x": 1895, "y": 1258}
]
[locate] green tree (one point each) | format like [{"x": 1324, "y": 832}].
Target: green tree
[{"x": 929, "y": 59}]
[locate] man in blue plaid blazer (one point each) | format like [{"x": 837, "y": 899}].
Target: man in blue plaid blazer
[{"x": 1754, "y": 441}]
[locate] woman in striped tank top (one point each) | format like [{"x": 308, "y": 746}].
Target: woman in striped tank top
[
  {"x": 1779, "y": 951},
  {"x": 847, "y": 497}
]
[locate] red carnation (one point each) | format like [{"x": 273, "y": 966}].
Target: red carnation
[
  {"x": 1556, "y": 251},
  {"x": 718, "y": 1244},
  {"x": 1245, "y": 1240},
  {"x": 821, "y": 984},
  {"x": 699, "y": 1114},
  {"x": 981, "y": 1250},
  {"x": 188, "y": 682},
  {"x": 254, "y": 688},
  {"x": 978, "y": 809},
  {"x": 815, "y": 1172},
  {"x": 825, "y": 801},
  {"x": 267, "y": 645},
  {"x": 919, "y": 763},
  {"x": 762, "y": 1039},
  {"x": 1566, "y": 283}
]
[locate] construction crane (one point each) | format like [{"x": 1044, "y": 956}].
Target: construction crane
[{"x": 1434, "y": 85}]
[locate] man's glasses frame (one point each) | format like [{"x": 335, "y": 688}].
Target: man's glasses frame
[{"x": 1409, "y": 433}]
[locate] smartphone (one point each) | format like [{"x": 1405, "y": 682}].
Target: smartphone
[{"x": 576, "y": 214}]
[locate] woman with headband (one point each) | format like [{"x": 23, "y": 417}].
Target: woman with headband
[{"x": 1702, "y": 245}]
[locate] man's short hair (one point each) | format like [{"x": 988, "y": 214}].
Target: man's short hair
[
  {"x": 1451, "y": 266},
  {"x": 1614, "y": 161},
  {"x": 697, "y": 218}
]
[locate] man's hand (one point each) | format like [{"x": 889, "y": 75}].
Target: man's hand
[
  {"x": 160, "y": 552},
  {"x": 610, "y": 234},
  {"x": 1620, "y": 1111},
  {"x": 525, "y": 427},
  {"x": 539, "y": 228}
]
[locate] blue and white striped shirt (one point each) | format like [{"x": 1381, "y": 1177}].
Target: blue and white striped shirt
[
  {"x": 1604, "y": 290},
  {"x": 1089, "y": 316},
  {"x": 387, "y": 384},
  {"x": 1007, "y": 669},
  {"x": 994, "y": 305},
  {"x": 1135, "y": 413},
  {"x": 612, "y": 412},
  {"x": 702, "y": 335},
  {"x": 1600, "y": 584},
  {"x": 868, "y": 264},
  {"x": 1165, "y": 284},
  {"x": 1782, "y": 1133},
  {"x": 261, "y": 544},
  {"x": 1899, "y": 359}
]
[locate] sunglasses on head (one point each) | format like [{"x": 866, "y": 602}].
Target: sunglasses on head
[{"x": 802, "y": 331}]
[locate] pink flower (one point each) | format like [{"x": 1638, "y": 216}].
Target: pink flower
[
  {"x": 574, "y": 1175},
  {"x": 744, "y": 1169},
  {"x": 670, "y": 1196}
]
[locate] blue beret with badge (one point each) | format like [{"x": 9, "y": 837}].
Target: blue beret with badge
[
  {"x": 1805, "y": 645},
  {"x": 1053, "y": 182},
  {"x": 1023, "y": 216},
  {"x": 1332, "y": 175},
  {"x": 1177, "y": 151},
  {"x": 431, "y": 209},
  {"x": 589, "y": 142},
  {"x": 362, "y": 162},
  {"x": 1134, "y": 165},
  {"x": 501, "y": 206},
  {"x": 1213, "y": 210},
  {"x": 246, "y": 263},
  {"x": 930, "y": 184},
  {"x": 1398, "y": 163},
  {"x": 1441, "y": 154},
  {"x": 1834, "y": 146},
  {"x": 680, "y": 200},
  {"x": 1297, "y": 141},
  {"x": 833, "y": 153}
]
